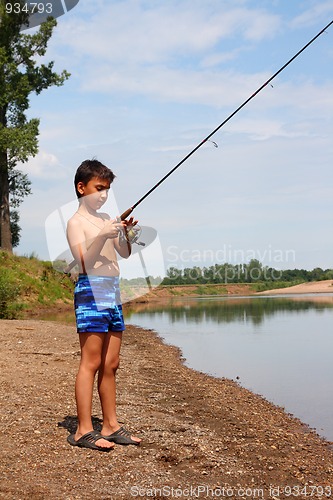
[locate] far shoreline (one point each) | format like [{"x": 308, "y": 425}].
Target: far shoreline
[{"x": 161, "y": 293}]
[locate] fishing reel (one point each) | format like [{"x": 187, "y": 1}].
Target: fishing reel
[{"x": 132, "y": 235}]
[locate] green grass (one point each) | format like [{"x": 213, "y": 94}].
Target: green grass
[
  {"x": 27, "y": 282},
  {"x": 211, "y": 290},
  {"x": 272, "y": 285}
]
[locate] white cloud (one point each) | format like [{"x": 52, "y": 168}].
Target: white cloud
[
  {"x": 261, "y": 129},
  {"x": 217, "y": 58},
  {"x": 128, "y": 31},
  {"x": 44, "y": 165},
  {"x": 205, "y": 87},
  {"x": 318, "y": 12}
]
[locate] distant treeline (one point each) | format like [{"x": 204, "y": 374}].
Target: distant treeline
[{"x": 253, "y": 272}]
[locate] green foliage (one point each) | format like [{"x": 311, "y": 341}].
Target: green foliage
[
  {"x": 254, "y": 272},
  {"x": 28, "y": 282},
  {"x": 271, "y": 285},
  {"x": 20, "y": 75},
  {"x": 211, "y": 290},
  {"x": 14, "y": 227},
  {"x": 135, "y": 281},
  {"x": 9, "y": 292}
]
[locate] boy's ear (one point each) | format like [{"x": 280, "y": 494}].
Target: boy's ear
[{"x": 80, "y": 187}]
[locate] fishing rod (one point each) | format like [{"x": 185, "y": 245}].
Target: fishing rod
[{"x": 127, "y": 212}]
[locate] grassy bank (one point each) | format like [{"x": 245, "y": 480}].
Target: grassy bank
[{"x": 28, "y": 283}]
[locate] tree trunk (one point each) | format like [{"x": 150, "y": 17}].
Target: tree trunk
[{"x": 5, "y": 231}]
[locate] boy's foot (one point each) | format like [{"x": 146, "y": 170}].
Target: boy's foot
[
  {"x": 122, "y": 436},
  {"x": 92, "y": 440}
]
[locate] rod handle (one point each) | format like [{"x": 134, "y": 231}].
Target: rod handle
[{"x": 126, "y": 213}]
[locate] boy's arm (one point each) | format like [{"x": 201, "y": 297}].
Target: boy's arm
[{"x": 123, "y": 243}]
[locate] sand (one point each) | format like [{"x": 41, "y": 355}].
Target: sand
[
  {"x": 203, "y": 437},
  {"x": 325, "y": 286}
]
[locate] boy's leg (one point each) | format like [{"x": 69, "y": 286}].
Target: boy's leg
[
  {"x": 107, "y": 382},
  {"x": 91, "y": 355}
]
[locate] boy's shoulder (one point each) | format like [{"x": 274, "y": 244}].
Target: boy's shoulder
[{"x": 74, "y": 220}]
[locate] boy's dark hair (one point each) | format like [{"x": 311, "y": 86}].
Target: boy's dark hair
[{"x": 89, "y": 169}]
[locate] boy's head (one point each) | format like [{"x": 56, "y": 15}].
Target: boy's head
[{"x": 90, "y": 169}]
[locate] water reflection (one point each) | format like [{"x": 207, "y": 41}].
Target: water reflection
[{"x": 228, "y": 310}]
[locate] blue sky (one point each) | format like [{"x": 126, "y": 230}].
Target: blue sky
[{"x": 149, "y": 81}]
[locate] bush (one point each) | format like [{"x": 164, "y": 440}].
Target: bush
[{"x": 9, "y": 291}]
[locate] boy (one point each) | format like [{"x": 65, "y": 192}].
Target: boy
[{"x": 94, "y": 240}]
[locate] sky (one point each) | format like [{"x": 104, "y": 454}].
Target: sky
[{"x": 149, "y": 81}]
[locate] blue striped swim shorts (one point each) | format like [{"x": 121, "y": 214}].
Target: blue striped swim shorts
[{"x": 97, "y": 304}]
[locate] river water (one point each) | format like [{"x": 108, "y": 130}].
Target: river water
[{"x": 279, "y": 347}]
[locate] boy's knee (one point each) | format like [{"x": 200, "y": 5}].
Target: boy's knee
[
  {"x": 92, "y": 364},
  {"x": 114, "y": 363},
  {"x": 111, "y": 364}
]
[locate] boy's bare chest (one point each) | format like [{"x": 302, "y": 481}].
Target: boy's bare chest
[
  {"x": 91, "y": 225},
  {"x": 91, "y": 231},
  {"x": 92, "y": 228}
]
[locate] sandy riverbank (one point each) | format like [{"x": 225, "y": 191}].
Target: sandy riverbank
[
  {"x": 325, "y": 286},
  {"x": 196, "y": 430}
]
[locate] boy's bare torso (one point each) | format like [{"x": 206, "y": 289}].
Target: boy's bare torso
[{"x": 88, "y": 226}]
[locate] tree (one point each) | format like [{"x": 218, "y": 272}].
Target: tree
[
  {"x": 254, "y": 271},
  {"x": 174, "y": 277},
  {"x": 19, "y": 187},
  {"x": 20, "y": 75}
]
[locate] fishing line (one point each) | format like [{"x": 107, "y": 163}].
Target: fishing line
[{"x": 129, "y": 210}]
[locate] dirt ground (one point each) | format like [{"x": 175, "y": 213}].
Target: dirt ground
[{"x": 202, "y": 437}]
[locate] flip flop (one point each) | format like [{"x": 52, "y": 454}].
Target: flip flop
[
  {"x": 88, "y": 441},
  {"x": 121, "y": 436}
]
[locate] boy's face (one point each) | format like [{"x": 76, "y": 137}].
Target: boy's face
[{"x": 95, "y": 192}]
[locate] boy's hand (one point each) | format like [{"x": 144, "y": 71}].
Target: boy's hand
[
  {"x": 130, "y": 222},
  {"x": 130, "y": 232},
  {"x": 112, "y": 229}
]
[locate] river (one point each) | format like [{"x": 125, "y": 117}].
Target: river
[{"x": 279, "y": 346}]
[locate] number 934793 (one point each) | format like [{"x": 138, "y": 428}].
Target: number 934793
[{"x": 29, "y": 8}]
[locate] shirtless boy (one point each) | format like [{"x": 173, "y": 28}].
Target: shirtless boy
[{"x": 95, "y": 240}]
